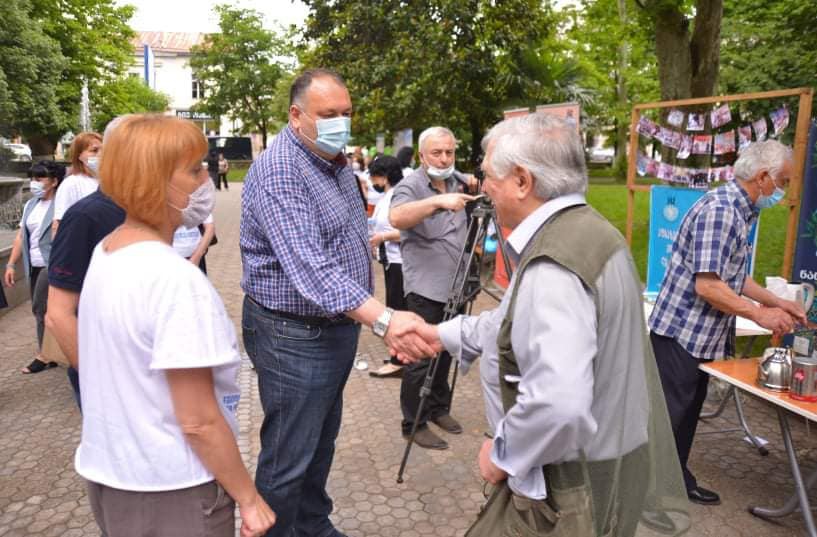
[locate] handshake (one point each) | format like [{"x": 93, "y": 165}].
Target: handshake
[{"x": 411, "y": 339}]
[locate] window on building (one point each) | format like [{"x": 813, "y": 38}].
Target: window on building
[{"x": 198, "y": 89}]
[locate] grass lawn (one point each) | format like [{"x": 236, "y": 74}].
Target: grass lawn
[{"x": 611, "y": 201}]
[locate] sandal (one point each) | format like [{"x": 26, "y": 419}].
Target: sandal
[{"x": 38, "y": 365}]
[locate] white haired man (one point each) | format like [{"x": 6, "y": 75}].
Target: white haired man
[
  {"x": 581, "y": 439},
  {"x": 701, "y": 293},
  {"x": 428, "y": 209}
]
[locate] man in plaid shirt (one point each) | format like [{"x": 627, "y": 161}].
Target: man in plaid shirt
[
  {"x": 701, "y": 292},
  {"x": 308, "y": 284}
]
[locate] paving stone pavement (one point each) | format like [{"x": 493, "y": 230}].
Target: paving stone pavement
[{"x": 41, "y": 495}]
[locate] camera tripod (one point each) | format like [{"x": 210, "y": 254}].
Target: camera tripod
[{"x": 466, "y": 286}]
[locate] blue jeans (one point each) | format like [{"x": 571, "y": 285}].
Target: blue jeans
[{"x": 302, "y": 369}]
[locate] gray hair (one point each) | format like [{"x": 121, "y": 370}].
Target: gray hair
[
  {"x": 770, "y": 155},
  {"x": 434, "y": 132},
  {"x": 545, "y": 145}
]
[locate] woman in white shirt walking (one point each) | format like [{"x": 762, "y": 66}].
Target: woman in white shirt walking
[
  {"x": 33, "y": 244},
  {"x": 83, "y": 179},
  {"x": 158, "y": 354},
  {"x": 385, "y": 172}
]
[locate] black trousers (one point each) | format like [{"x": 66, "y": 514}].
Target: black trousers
[
  {"x": 685, "y": 391},
  {"x": 222, "y": 177},
  {"x": 439, "y": 400},
  {"x": 395, "y": 298}
]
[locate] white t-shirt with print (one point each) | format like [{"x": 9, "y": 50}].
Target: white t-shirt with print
[
  {"x": 186, "y": 239},
  {"x": 71, "y": 190},
  {"x": 143, "y": 310},
  {"x": 34, "y": 225}
]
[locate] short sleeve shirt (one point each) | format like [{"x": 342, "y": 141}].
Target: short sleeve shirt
[
  {"x": 146, "y": 310},
  {"x": 73, "y": 188},
  {"x": 432, "y": 248},
  {"x": 713, "y": 237},
  {"x": 82, "y": 227}
]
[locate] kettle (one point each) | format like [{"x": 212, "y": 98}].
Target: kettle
[{"x": 774, "y": 371}]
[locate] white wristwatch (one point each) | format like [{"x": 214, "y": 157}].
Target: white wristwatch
[{"x": 381, "y": 324}]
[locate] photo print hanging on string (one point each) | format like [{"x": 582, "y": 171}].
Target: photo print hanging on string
[
  {"x": 759, "y": 127},
  {"x": 780, "y": 120},
  {"x": 720, "y": 116},
  {"x": 675, "y": 118},
  {"x": 695, "y": 122},
  {"x": 744, "y": 137},
  {"x": 685, "y": 147},
  {"x": 702, "y": 144},
  {"x": 724, "y": 143}
]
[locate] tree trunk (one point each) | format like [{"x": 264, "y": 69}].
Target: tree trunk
[
  {"x": 705, "y": 49},
  {"x": 688, "y": 63},
  {"x": 672, "y": 50}
]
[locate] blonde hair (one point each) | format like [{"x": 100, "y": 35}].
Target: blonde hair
[
  {"x": 139, "y": 158},
  {"x": 81, "y": 142}
]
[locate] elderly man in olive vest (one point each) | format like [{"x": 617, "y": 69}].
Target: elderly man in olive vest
[{"x": 581, "y": 439}]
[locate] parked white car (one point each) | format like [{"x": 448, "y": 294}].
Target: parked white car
[
  {"x": 21, "y": 151},
  {"x": 601, "y": 155}
]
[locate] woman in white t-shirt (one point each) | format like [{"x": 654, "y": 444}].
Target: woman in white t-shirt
[
  {"x": 84, "y": 171},
  {"x": 192, "y": 244},
  {"x": 158, "y": 353},
  {"x": 33, "y": 245}
]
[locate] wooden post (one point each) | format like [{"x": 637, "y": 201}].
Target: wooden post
[
  {"x": 631, "y": 164},
  {"x": 796, "y": 183}
]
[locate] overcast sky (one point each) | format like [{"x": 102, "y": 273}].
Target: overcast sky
[{"x": 197, "y": 15}]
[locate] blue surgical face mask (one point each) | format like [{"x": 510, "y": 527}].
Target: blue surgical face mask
[
  {"x": 765, "y": 202},
  {"x": 37, "y": 189},
  {"x": 333, "y": 133}
]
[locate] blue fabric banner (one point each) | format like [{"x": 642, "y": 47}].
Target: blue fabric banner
[
  {"x": 804, "y": 268},
  {"x": 668, "y": 205}
]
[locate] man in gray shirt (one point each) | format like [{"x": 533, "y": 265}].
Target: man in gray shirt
[{"x": 428, "y": 208}]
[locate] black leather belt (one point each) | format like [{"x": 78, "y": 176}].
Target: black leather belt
[{"x": 321, "y": 322}]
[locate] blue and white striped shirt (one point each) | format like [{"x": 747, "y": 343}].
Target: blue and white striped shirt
[
  {"x": 304, "y": 243},
  {"x": 713, "y": 238}
]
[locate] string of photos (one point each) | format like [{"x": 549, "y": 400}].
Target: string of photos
[{"x": 718, "y": 147}]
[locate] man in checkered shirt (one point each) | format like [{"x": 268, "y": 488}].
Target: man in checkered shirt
[
  {"x": 308, "y": 283},
  {"x": 701, "y": 292}
]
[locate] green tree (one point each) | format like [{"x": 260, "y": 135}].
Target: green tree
[
  {"x": 95, "y": 39},
  {"x": 30, "y": 70},
  {"x": 417, "y": 64},
  {"x": 614, "y": 41},
  {"x": 241, "y": 67},
  {"x": 768, "y": 45},
  {"x": 126, "y": 95}
]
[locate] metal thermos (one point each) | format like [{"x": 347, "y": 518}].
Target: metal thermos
[{"x": 803, "y": 379}]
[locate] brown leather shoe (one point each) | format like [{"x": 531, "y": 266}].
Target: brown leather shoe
[
  {"x": 426, "y": 438},
  {"x": 447, "y": 424}
]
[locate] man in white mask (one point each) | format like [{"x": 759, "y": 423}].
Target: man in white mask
[{"x": 428, "y": 207}]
